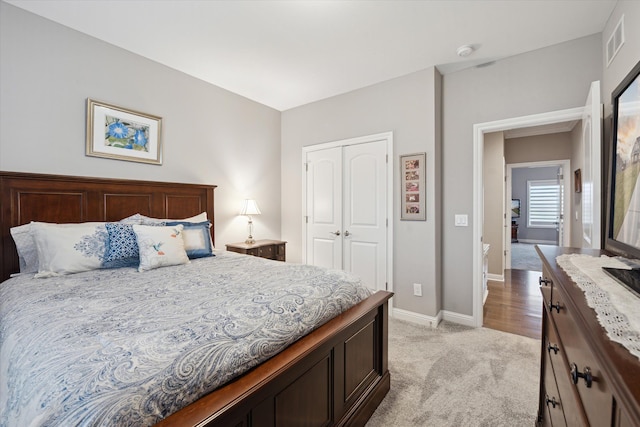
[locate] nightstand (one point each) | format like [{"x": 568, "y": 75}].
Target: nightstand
[{"x": 270, "y": 249}]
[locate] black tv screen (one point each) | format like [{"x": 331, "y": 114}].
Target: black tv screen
[{"x": 623, "y": 213}]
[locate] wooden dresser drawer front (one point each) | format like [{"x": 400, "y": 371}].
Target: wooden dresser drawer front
[
  {"x": 555, "y": 415},
  {"x": 546, "y": 295},
  {"x": 267, "y": 252},
  {"x": 573, "y": 411},
  {"x": 596, "y": 400},
  {"x": 546, "y": 286}
]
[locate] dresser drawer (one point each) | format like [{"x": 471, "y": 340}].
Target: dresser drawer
[
  {"x": 267, "y": 252},
  {"x": 596, "y": 399},
  {"x": 553, "y": 400},
  {"x": 555, "y": 353}
]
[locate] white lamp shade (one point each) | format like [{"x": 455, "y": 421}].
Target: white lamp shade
[{"x": 249, "y": 207}]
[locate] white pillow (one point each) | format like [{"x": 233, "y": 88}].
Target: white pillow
[
  {"x": 145, "y": 220},
  {"x": 160, "y": 246},
  {"x": 26, "y": 246},
  {"x": 69, "y": 248}
]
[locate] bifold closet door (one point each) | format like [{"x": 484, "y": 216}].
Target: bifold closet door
[{"x": 346, "y": 210}]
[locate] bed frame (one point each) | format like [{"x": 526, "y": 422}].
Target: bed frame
[{"x": 335, "y": 376}]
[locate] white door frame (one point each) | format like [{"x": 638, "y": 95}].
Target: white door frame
[
  {"x": 566, "y": 183},
  {"x": 386, "y": 136},
  {"x": 479, "y": 130}
]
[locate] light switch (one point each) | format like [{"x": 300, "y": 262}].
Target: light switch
[{"x": 461, "y": 220}]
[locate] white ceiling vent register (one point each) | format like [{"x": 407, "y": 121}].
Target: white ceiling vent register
[{"x": 616, "y": 41}]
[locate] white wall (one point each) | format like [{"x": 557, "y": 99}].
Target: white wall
[
  {"x": 409, "y": 107},
  {"x": 210, "y": 136}
]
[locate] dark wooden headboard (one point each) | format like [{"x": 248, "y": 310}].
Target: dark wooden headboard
[{"x": 26, "y": 197}]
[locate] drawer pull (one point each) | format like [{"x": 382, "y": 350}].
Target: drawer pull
[
  {"x": 575, "y": 375},
  {"x": 553, "y": 347},
  {"x": 556, "y": 306},
  {"x": 544, "y": 282},
  {"x": 553, "y": 401}
]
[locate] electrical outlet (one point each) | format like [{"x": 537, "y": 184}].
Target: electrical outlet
[{"x": 417, "y": 289}]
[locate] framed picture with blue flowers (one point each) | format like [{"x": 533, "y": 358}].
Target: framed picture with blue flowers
[{"x": 118, "y": 133}]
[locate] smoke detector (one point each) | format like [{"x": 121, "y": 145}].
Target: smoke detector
[{"x": 465, "y": 50}]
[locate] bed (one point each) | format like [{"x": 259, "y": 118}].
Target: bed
[{"x": 334, "y": 375}]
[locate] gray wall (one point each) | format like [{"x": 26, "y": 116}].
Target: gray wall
[
  {"x": 538, "y": 148},
  {"x": 210, "y": 136},
  {"x": 554, "y": 78},
  {"x": 410, "y": 107},
  {"x": 493, "y": 196},
  {"x": 519, "y": 179}
]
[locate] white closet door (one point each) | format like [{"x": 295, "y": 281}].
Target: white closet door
[
  {"x": 324, "y": 208},
  {"x": 364, "y": 212}
]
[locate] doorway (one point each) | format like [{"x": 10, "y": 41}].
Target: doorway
[
  {"x": 528, "y": 225},
  {"x": 479, "y": 132}
]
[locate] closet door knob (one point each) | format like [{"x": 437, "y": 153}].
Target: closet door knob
[
  {"x": 336, "y": 233},
  {"x": 346, "y": 233}
]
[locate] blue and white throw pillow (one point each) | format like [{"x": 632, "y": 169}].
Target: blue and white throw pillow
[
  {"x": 160, "y": 246},
  {"x": 122, "y": 246},
  {"x": 197, "y": 238}
]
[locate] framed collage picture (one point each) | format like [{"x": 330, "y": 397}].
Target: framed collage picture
[{"x": 413, "y": 191}]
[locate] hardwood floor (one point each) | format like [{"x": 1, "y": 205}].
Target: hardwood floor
[{"x": 515, "y": 306}]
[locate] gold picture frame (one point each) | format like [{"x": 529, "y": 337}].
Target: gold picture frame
[{"x": 119, "y": 133}]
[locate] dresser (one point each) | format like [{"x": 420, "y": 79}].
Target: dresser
[
  {"x": 585, "y": 378},
  {"x": 270, "y": 249}
]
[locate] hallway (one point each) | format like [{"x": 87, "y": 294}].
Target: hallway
[{"x": 515, "y": 305}]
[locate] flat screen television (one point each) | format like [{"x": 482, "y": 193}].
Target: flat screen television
[{"x": 623, "y": 207}]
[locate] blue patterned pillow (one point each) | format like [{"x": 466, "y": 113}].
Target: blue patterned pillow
[
  {"x": 122, "y": 247},
  {"x": 197, "y": 238}
]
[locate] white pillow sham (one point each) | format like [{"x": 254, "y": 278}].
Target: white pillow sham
[
  {"x": 146, "y": 220},
  {"x": 26, "y": 247},
  {"x": 160, "y": 246},
  {"x": 69, "y": 248}
]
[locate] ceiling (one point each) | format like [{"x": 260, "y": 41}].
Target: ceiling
[{"x": 288, "y": 53}]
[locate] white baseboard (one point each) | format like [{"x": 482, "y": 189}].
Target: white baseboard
[
  {"x": 461, "y": 319},
  {"x": 538, "y": 242},
  {"x": 495, "y": 277},
  {"x": 421, "y": 319}
]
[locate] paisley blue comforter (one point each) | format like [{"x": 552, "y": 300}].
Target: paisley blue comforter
[{"x": 119, "y": 347}]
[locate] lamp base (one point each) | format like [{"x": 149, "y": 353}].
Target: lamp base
[{"x": 250, "y": 240}]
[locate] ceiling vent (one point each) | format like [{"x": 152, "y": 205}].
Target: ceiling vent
[{"x": 616, "y": 41}]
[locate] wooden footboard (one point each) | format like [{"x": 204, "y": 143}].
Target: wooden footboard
[{"x": 335, "y": 376}]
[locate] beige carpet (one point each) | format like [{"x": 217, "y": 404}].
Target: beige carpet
[{"x": 459, "y": 376}]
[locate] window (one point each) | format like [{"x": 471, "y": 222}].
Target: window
[{"x": 545, "y": 203}]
